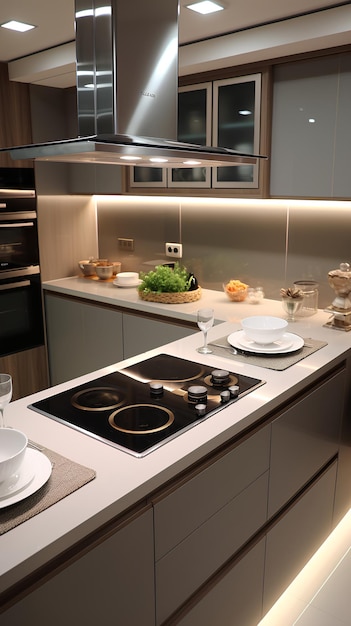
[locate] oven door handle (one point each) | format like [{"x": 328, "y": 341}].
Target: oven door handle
[
  {"x": 16, "y": 225},
  {"x": 17, "y": 285}
]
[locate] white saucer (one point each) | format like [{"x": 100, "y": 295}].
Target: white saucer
[
  {"x": 289, "y": 343},
  {"x": 40, "y": 466},
  {"x": 136, "y": 284}
]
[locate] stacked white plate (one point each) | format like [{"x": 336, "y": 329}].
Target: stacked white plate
[
  {"x": 133, "y": 284},
  {"x": 288, "y": 343},
  {"x": 127, "y": 280},
  {"x": 34, "y": 472}
]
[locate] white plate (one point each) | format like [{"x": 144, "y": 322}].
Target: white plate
[
  {"x": 41, "y": 468},
  {"x": 281, "y": 344},
  {"x": 289, "y": 343},
  {"x": 136, "y": 284},
  {"x": 18, "y": 481}
]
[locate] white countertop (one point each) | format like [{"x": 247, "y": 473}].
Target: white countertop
[{"x": 121, "y": 479}]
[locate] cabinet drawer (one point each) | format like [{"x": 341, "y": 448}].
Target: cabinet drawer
[
  {"x": 184, "y": 509},
  {"x": 297, "y": 536},
  {"x": 235, "y": 599},
  {"x": 185, "y": 568},
  {"x": 304, "y": 438}
]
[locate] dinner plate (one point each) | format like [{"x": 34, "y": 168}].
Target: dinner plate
[
  {"x": 41, "y": 469},
  {"x": 281, "y": 344},
  {"x": 288, "y": 343},
  {"x": 17, "y": 481},
  {"x": 136, "y": 284}
]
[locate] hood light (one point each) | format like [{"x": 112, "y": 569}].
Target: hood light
[
  {"x": 130, "y": 158},
  {"x": 192, "y": 162},
  {"x": 158, "y": 160}
]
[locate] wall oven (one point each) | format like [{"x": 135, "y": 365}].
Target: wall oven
[{"x": 21, "y": 315}]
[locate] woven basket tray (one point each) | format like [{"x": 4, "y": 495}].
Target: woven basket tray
[{"x": 178, "y": 297}]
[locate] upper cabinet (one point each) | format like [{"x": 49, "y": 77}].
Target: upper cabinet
[
  {"x": 15, "y": 118},
  {"x": 225, "y": 113},
  {"x": 236, "y": 124},
  {"x": 311, "y": 135}
]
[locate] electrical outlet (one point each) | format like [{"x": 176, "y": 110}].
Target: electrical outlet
[
  {"x": 126, "y": 244},
  {"x": 174, "y": 250}
]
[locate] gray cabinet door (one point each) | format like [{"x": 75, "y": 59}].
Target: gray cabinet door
[
  {"x": 304, "y": 438},
  {"x": 311, "y": 134},
  {"x": 235, "y": 599},
  {"x": 82, "y": 337},
  {"x": 141, "y": 333},
  {"x": 297, "y": 535},
  {"x": 112, "y": 583}
]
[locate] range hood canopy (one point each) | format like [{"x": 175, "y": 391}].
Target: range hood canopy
[{"x": 127, "y": 91}]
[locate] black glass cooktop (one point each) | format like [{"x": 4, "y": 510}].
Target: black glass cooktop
[{"x": 143, "y": 406}]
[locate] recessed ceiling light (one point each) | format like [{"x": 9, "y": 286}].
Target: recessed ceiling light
[
  {"x": 21, "y": 27},
  {"x": 205, "y": 7}
]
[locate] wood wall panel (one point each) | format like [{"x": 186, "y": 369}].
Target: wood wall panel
[
  {"x": 15, "y": 117},
  {"x": 28, "y": 370}
]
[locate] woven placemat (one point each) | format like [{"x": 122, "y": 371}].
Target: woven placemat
[
  {"x": 273, "y": 362},
  {"x": 66, "y": 477}
]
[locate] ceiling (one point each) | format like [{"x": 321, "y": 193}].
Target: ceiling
[{"x": 55, "y": 21}]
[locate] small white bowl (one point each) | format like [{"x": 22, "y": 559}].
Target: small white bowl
[
  {"x": 127, "y": 278},
  {"x": 264, "y": 329},
  {"x": 13, "y": 444}
]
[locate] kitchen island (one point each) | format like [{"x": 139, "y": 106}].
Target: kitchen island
[{"x": 158, "y": 526}]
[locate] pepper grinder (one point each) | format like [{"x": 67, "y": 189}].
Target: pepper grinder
[{"x": 340, "y": 281}]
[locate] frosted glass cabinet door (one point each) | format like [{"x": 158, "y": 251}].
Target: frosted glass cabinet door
[
  {"x": 147, "y": 176},
  {"x": 342, "y": 167},
  {"x": 236, "y": 125},
  {"x": 194, "y": 126},
  {"x": 305, "y": 102}
]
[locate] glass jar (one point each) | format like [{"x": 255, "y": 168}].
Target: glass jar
[{"x": 309, "y": 289}]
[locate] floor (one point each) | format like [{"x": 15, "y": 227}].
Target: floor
[{"x": 321, "y": 594}]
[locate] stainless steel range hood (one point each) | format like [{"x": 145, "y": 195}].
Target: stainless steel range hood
[{"x": 127, "y": 82}]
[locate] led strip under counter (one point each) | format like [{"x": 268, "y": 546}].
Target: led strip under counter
[{"x": 319, "y": 595}]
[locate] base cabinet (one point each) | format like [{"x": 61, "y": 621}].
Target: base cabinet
[
  {"x": 82, "y": 337},
  {"x": 234, "y": 599},
  {"x": 143, "y": 333},
  {"x": 203, "y": 523},
  {"x": 305, "y": 436},
  {"x": 297, "y": 535},
  {"x": 112, "y": 583}
]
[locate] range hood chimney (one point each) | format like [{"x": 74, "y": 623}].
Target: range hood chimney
[{"x": 127, "y": 84}]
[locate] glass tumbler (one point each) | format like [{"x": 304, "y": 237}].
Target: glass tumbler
[{"x": 309, "y": 289}]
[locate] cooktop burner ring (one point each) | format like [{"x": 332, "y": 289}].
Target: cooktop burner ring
[
  {"x": 109, "y": 392},
  {"x": 147, "y": 431},
  {"x": 185, "y": 372}
]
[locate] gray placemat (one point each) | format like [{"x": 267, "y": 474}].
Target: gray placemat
[
  {"x": 66, "y": 477},
  {"x": 273, "y": 362}
]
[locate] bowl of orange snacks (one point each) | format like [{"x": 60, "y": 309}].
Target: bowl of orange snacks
[{"x": 235, "y": 290}]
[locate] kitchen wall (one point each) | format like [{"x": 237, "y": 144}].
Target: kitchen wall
[{"x": 262, "y": 242}]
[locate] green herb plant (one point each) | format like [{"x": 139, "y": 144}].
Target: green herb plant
[{"x": 165, "y": 279}]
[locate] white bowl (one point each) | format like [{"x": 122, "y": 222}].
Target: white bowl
[
  {"x": 264, "y": 329},
  {"x": 13, "y": 444},
  {"x": 127, "y": 278}
]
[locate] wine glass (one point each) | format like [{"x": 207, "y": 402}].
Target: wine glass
[
  {"x": 205, "y": 319},
  {"x": 291, "y": 306},
  {"x": 5, "y": 395}
]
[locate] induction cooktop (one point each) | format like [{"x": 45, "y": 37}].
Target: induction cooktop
[{"x": 143, "y": 406}]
